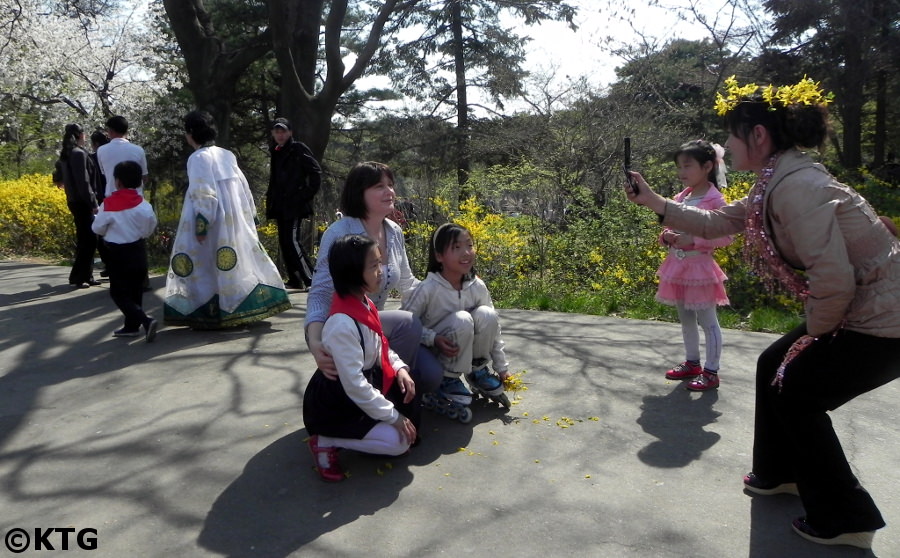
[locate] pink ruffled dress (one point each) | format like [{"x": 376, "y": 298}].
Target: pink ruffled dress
[{"x": 690, "y": 275}]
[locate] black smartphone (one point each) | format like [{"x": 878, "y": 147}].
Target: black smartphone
[{"x": 627, "y": 166}]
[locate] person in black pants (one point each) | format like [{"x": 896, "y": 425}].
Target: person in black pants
[
  {"x": 77, "y": 174},
  {"x": 98, "y": 138},
  {"x": 812, "y": 237},
  {"x": 294, "y": 181},
  {"x": 125, "y": 220}
]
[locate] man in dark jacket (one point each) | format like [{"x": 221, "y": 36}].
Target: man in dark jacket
[{"x": 294, "y": 181}]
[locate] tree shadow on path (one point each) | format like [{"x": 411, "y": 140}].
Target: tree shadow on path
[{"x": 278, "y": 504}]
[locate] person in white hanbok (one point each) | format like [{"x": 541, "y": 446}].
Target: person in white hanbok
[{"x": 219, "y": 274}]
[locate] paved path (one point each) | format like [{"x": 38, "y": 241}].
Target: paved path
[{"x": 193, "y": 445}]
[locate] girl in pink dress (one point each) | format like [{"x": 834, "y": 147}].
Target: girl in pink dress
[{"x": 689, "y": 277}]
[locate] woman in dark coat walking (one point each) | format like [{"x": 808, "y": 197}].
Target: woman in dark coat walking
[{"x": 78, "y": 175}]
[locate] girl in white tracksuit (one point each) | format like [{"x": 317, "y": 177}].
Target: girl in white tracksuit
[{"x": 459, "y": 321}]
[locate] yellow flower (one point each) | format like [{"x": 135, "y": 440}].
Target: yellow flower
[{"x": 805, "y": 92}]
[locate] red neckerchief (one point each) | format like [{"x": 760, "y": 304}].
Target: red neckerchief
[
  {"x": 123, "y": 199},
  {"x": 367, "y": 316}
]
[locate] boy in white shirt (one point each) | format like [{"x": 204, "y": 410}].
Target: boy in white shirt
[
  {"x": 117, "y": 150},
  {"x": 125, "y": 220}
]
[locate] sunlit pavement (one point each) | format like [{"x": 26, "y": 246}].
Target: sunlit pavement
[{"x": 194, "y": 445}]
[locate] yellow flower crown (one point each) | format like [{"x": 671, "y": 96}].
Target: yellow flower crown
[{"x": 805, "y": 92}]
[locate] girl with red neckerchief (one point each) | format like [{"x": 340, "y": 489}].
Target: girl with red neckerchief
[{"x": 373, "y": 408}]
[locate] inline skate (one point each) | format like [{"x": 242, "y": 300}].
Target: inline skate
[
  {"x": 485, "y": 384},
  {"x": 452, "y": 400}
]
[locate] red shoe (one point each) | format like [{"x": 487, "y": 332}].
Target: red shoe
[
  {"x": 684, "y": 370},
  {"x": 705, "y": 381},
  {"x": 333, "y": 473}
]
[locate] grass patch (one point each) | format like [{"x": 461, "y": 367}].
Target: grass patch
[{"x": 643, "y": 307}]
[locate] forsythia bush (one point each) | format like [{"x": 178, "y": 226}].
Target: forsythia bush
[
  {"x": 500, "y": 245},
  {"x": 34, "y": 218},
  {"x": 35, "y": 221}
]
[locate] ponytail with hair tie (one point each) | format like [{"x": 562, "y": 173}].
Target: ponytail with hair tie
[{"x": 721, "y": 169}]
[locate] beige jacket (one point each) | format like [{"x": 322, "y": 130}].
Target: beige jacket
[{"x": 828, "y": 230}]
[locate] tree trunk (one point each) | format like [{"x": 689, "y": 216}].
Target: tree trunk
[
  {"x": 881, "y": 87},
  {"x": 463, "y": 165},
  {"x": 295, "y": 26},
  {"x": 854, "y": 77},
  {"x": 213, "y": 68},
  {"x": 295, "y": 40}
]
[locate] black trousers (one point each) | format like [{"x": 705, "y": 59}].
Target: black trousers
[
  {"x": 127, "y": 266},
  {"x": 297, "y": 263},
  {"x": 794, "y": 440},
  {"x": 85, "y": 245}
]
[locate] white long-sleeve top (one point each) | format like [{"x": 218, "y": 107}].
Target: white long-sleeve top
[
  {"x": 125, "y": 226},
  {"x": 341, "y": 338},
  {"x": 435, "y": 298}
]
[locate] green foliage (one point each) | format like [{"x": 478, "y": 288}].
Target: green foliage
[
  {"x": 599, "y": 260},
  {"x": 884, "y": 196}
]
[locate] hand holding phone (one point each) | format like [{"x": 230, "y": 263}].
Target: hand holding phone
[{"x": 632, "y": 183}]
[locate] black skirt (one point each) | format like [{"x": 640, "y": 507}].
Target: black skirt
[{"x": 327, "y": 410}]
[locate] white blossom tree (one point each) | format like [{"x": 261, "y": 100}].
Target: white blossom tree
[{"x": 62, "y": 66}]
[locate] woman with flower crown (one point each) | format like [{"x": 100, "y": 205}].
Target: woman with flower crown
[{"x": 807, "y": 233}]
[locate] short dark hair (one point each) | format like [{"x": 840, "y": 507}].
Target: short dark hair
[
  {"x": 360, "y": 178},
  {"x": 129, "y": 173},
  {"x": 99, "y": 137},
  {"x": 117, "y": 124},
  {"x": 201, "y": 126},
  {"x": 347, "y": 261}
]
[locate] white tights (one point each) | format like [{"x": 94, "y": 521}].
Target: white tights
[
  {"x": 706, "y": 319},
  {"x": 383, "y": 439}
]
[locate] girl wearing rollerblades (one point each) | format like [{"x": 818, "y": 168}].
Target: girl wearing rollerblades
[
  {"x": 373, "y": 407},
  {"x": 689, "y": 277},
  {"x": 459, "y": 324}
]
